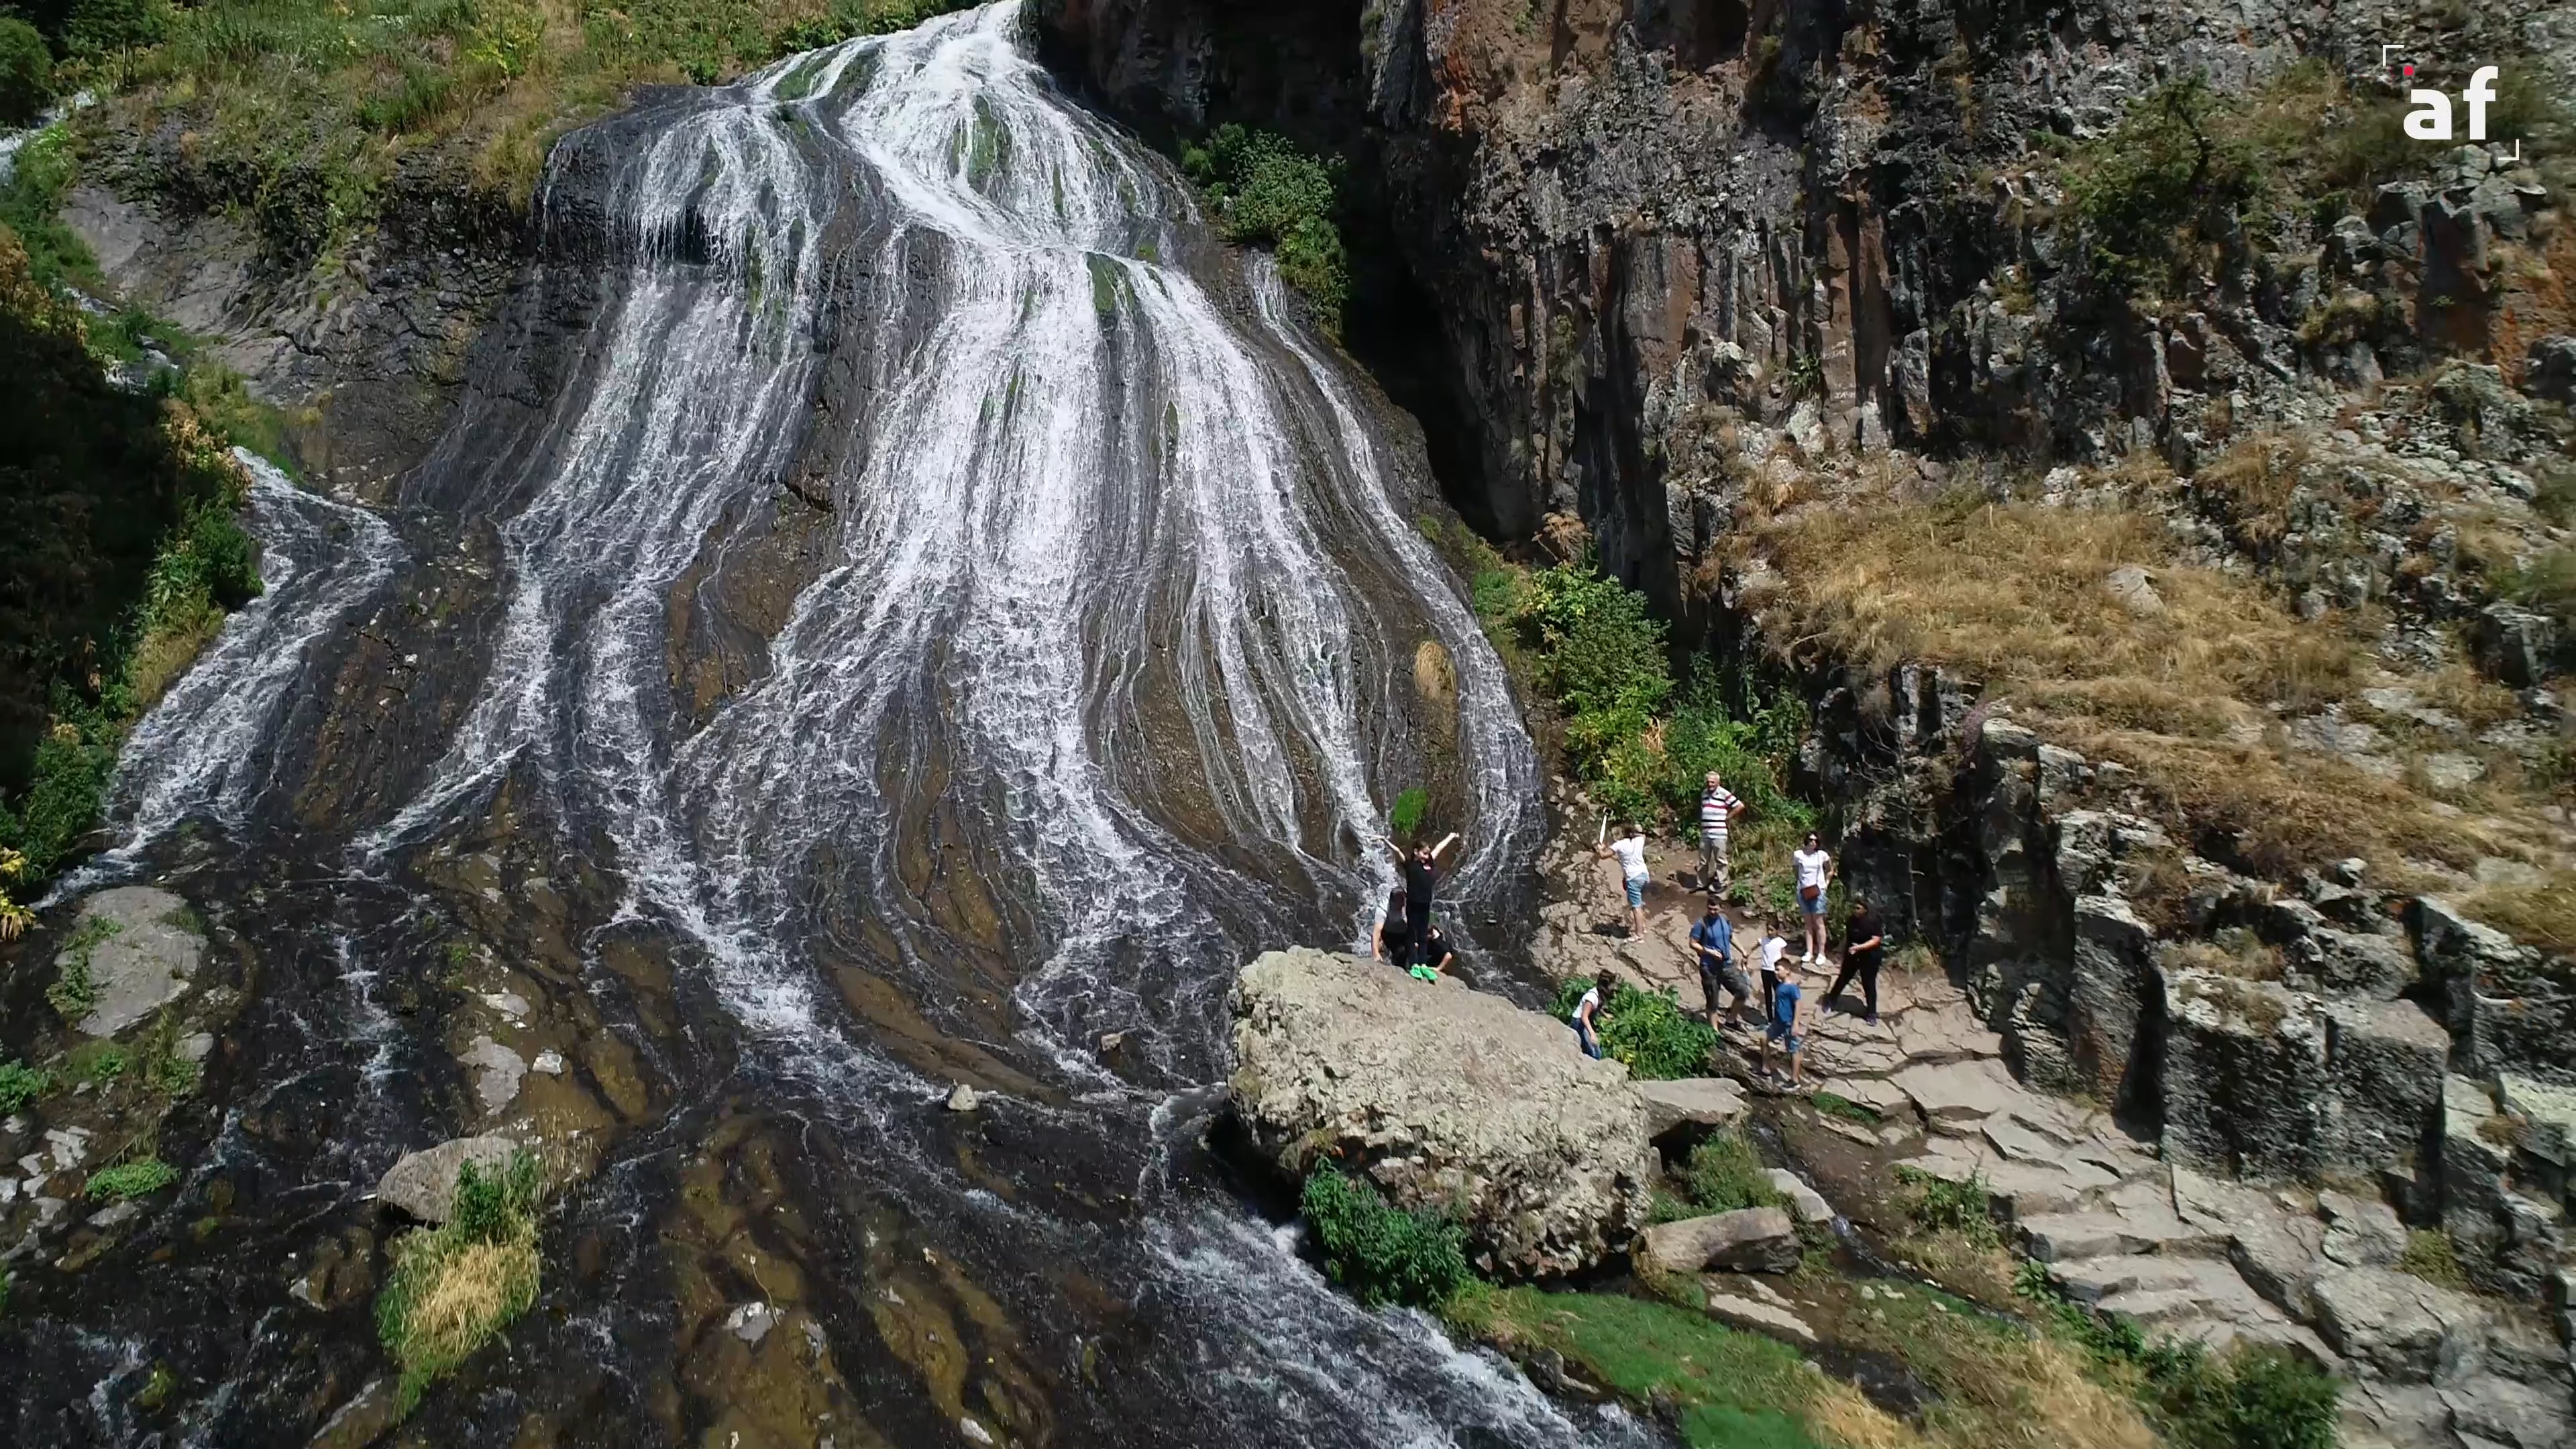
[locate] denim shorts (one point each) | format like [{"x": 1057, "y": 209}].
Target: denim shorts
[
  {"x": 1636, "y": 891},
  {"x": 1815, "y": 907}
]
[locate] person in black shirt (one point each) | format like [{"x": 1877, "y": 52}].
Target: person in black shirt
[
  {"x": 1386, "y": 943},
  {"x": 1421, "y": 870},
  {"x": 1863, "y": 943}
]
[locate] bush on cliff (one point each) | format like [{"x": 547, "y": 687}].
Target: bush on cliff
[
  {"x": 1380, "y": 1252},
  {"x": 1268, "y": 192}
]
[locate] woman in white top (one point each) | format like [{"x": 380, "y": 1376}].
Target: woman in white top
[
  {"x": 1815, "y": 868},
  {"x": 1630, "y": 851}
]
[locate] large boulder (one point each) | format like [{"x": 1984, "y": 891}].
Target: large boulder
[
  {"x": 2509, "y": 1008},
  {"x": 1445, "y": 1098},
  {"x": 138, "y": 946},
  {"x": 1748, "y": 1240},
  {"x": 423, "y": 1184}
]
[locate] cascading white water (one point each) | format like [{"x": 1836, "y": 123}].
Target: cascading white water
[{"x": 1111, "y": 627}]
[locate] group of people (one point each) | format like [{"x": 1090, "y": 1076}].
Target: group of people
[
  {"x": 1713, "y": 946},
  {"x": 1407, "y": 935}
]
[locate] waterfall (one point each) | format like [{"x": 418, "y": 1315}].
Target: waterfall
[{"x": 926, "y": 555}]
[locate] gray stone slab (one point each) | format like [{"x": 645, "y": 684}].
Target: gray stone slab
[{"x": 140, "y": 954}]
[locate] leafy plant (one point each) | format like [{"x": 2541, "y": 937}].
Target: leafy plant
[
  {"x": 139, "y": 1177},
  {"x": 1647, "y": 1030},
  {"x": 2255, "y": 1395},
  {"x": 454, "y": 1287},
  {"x": 1724, "y": 1174},
  {"x": 21, "y": 1084},
  {"x": 2169, "y": 179},
  {"x": 1267, "y": 191},
  {"x": 1845, "y": 1108},
  {"x": 1381, "y": 1253},
  {"x": 101, "y": 1065},
  {"x": 1405, "y": 816}
]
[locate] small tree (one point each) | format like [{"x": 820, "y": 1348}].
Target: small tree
[{"x": 26, "y": 72}]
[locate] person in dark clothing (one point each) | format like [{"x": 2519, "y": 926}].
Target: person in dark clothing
[
  {"x": 1387, "y": 942},
  {"x": 1435, "y": 957},
  {"x": 1421, "y": 869},
  {"x": 1863, "y": 944},
  {"x": 1713, "y": 942}
]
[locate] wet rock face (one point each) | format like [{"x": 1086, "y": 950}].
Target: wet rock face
[{"x": 1445, "y": 1098}]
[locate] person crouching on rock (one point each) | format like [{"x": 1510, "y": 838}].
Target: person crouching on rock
[
  {"x": 1586, "y": 1020},
  {"x": 1421, "y": 878},
  {"x": 1783, "y": 1027},
  {"x": 1387, "y": 941},
  {"x": 1435, "y": 957},
  {"x": 1713, "y": 942}
]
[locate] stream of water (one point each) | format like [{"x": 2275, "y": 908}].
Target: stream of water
[{"x": 918, "y": 587}]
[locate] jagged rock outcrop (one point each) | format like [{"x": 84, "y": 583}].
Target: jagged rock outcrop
[{"x": 1445, "y": 1098}]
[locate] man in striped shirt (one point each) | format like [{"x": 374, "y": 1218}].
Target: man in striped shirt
[{"x": 1717, "y": 811}]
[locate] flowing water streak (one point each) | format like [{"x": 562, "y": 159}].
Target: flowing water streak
[{"x": 207, "y": 749}]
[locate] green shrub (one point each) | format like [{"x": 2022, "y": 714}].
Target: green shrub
[
  {"x": 1267, "y": 191},
  {"x": 1405, "y": 816},
  {"x": 101, "y": 1065},
  {"x": 2431, "y": 1256},
  {"x": 2166, "y": 180},
  {"x": 1381, "y": 1253},
  {"x": 1647, "y": 1030},
  {"x": 21, "y": 1084},
  {"x": 1724, "y": 1174},
  {"x": 2251, "y": 1396},
  {"x": 26, "y": 72},
  {"x": 1939, "y": 1205},
  {"x": 454, "y": 1287},
  {"x": 139, "y": 1178},
  {"x": 106, "y": 27}
]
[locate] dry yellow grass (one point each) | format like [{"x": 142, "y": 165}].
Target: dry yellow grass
[
  {"x": 2190, "y": 696},
  {"x": 2543, "y": 914}
]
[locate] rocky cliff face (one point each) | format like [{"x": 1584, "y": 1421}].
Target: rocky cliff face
[{"x": 1660, "y": 235}]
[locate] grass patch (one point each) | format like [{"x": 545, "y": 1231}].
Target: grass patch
[
  {"x": 21, "y": 1084},
  {"x": 1405, "y": 816},
  {"x": 453, "y": 1288},
  {"x": 1731, "y": 1390},
  {"x": 1380, "y": 1252},
  {"x": 2430, "y": 1256},
  {"x": 1723, "y": 1174},
  {"x": 1848, "y": 1110},
  {"x": 1266, "y": 191},
  {"x": 74, "y": 993},
  {"x": 2543, "y": 913},
  {"x": 140, "y": 1177},
  {"x": 1647, "y": 1030},
  {"x": 1938, "y": 1205}
]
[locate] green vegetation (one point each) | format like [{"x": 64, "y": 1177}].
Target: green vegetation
[
  {"x": 26, "y": 72},
  {"x": 454, "y": 1287},
  {"x": 21, "y": 1084},
  {"x": 1380, "y": 1252},
  {"x": 2252, "y": 1394},
  {"x": 14, "y": 918},
  {"x": 1647, "y": 1030},
  {"x": 2166, "y": 184},
  {"x": 1838, "y": 1106},
  {"x": 1405, "y": 816},
  {"x": 1267, "y": 191},
  {"x": 118, "y": 532},
  {"x": 1723, "y": 1174},
  {"x": 1941, "y": 1206},
  {"x": 101, "y": 1064},
  {"x": 1594, "y": 647},
  {"x": 1732, "y": 1390},
  {"x": 74, "y": 993},
  {"x": 2431, "y": 1256},
  {"x": 139, "y": 1177}
]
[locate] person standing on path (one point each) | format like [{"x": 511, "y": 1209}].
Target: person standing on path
[
  {"x": 1713, "y": 943},
  {"x": 1421, "y": 877},
  {"x": 1815, "y": 871},
  {"x": 1774, "y": 951},
  {"x": 1718, "y": 808},
  {"x": 1630, "y": 851},
  {"x": 1863, "y": 944},
  {"x": 1782, "y": 1027}
]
